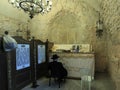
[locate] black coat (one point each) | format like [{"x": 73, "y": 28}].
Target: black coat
[{"x": 57, "y": 69}]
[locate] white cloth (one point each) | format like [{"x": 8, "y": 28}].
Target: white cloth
[{"x": 9, "y": 43}]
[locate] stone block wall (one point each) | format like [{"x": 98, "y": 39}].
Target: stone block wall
[
  {"x": 15, "y": 27},
  {"x": 72, "y": 22},
  {"x": 111, "y": 18}
]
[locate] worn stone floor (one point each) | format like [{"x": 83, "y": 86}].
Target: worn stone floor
[{"x": 102, "y": 82}]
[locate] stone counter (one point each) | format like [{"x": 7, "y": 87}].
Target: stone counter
[
  {"x": 77, "y": 64},
  {"x": 76, "y": 55}
]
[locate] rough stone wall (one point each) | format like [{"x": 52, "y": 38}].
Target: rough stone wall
[
  {"x": 111, "y": 18},
  {"x": 15, "y": 27},
  {"x": 72, "y": 21},
  {"x": 100, "y": 55},
  {"x": 9, "y": 10}
]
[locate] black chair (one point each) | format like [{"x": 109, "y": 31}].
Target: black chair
[
  {"x": 56, "y": 71},
  {"x": 56, "y": 79}
]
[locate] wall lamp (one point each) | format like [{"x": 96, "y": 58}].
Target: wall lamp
[{"x": 99, "y": 28}]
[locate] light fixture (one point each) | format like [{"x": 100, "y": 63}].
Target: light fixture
[
  {"x": 99, "y": 28},
  {"x": 32, "y": 7}
]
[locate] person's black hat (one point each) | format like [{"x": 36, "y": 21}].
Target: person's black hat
[
  {"x": 6, "y": 32},
  {"x": 55, "y": 56}
]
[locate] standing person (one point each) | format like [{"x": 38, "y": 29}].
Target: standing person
[
  {"x": 57, "y": 69},
  {"x": 8, "y": 42}
]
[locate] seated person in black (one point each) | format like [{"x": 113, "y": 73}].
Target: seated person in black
[{"x": 57, "y": 69}]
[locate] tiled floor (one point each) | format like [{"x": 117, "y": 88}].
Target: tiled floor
[{"x": 102, "y": 82}]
